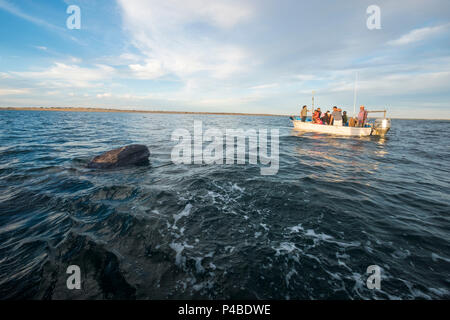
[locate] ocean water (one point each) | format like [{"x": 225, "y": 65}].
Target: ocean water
[{"x": 336, "y": 206}]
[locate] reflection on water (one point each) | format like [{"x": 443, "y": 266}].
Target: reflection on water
[{"x": 340, "y": 153}]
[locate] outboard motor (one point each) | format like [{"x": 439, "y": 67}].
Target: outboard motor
[{"x": 381, "y": 126}]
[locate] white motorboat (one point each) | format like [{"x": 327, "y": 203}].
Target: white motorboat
[{"x": 378, "y": 128}]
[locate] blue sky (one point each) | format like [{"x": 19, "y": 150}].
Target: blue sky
[{"x": 232, "y": 56}]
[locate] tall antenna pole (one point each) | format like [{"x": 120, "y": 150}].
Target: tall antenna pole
[{"x": 354, "y": 95}]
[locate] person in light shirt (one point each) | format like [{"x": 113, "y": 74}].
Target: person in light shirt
[
  {"x": 336, "y": 117},
  {"x": 362, "y": 116},
  {"x": 304, "y": 113}
]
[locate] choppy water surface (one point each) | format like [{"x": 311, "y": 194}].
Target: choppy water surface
[{"x": 336, "y": 206}]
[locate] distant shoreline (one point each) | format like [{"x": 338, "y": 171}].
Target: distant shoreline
[
  {"x": 168, "y": 112},
  {"x": 140, "y": 111}
]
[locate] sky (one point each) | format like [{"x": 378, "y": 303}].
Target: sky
[{"x": 251, "y": 56}]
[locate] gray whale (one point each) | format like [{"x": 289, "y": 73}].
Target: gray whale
[{"x": 131, "y": 155}]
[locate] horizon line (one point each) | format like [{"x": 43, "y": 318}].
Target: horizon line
[{"x": 96, "y": 109}]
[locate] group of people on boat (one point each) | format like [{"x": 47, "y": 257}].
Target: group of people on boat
[{"x": 336, "y": 117}]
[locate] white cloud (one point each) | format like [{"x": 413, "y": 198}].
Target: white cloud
[
  {"x": 307, "y": 77},
  {"x": 162, "y": 32},
  {"x": 152, "y": 69},
  {"x": 265, "y": 86},
  {"x": 172, "y": 13},
  {"x": 9, "y": 92},
  {"x": 4, "y": 75},
  {"x": 129, "y": 57},
  {"x": 75, "y": 60},
  {"x": 64, "y": 75},
  {"x": 103, "y": 95},
  {"x": 418, "y": 35},
  {"x": 224, "y": 102},
  {"x": 399, "y": 84}
]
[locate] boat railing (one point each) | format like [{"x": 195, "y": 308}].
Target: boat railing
[{"x": 378, "y": 111}]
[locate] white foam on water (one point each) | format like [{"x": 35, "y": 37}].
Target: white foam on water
[
  {"x": 203, "y": 285},
  {"x": 401, "y": 254},
  {"x": 198, "y": 265},
  {"x": 236, "y": 187},
  {"x": 230, "y": 249},
  {"x": 437, "y": 257},
  {"x": 342, "y": 264},
  {"x": 441, "y": 292},
  {"x": 296, "y": 229},
  {"x": 289, "y": 249},
  {"x": 184, "y": 213},
  {"x": 368, "y": 249},
  {"x": 312, "y": 257},
  {"x": 209, "y": 254},
  {"x": 289, "y": 276},
  {"x": 285, "y": 247},
  {"x": 344, "y": 244},
  {"x": 13, "y": 226},
  {"x": 342, "y": 256},
  {"x": 178, "y": 248},
  {"x": 198, "y": 287},
  {"x": 419, "y": 294},
  {"x": 336, "y": 276},
  {"x": 327, "y": 238},
  {"x": 320, "y": 236},
  {"x": 213, "y": 196}
]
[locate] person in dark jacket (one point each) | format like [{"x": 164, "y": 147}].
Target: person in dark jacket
[
  {"x": 325, "y": 118},
  {"x": 344, "y": 118}
]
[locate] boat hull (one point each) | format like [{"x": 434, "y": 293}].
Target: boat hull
[{"x": 337, "y": 130}]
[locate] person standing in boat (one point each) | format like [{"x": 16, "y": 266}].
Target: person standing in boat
[
  {"x": 362, "y": 116},
  {"x": 336, "y": 117},
  {"x": 344, "y": 118},
  {"x": 324, "y": 118},
  {"x": 304, "y": 113}
]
